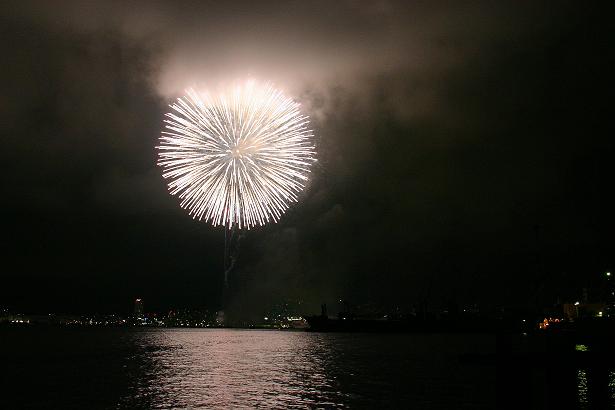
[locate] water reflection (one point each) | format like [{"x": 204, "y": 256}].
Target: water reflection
[
  {"x": 595, "y": 388},
  {"x": 582, "y": 388},
  {"x": 172, "y": 368},
  {"x": 271, "y": 369},
  {"x": 228, "y": 369}
]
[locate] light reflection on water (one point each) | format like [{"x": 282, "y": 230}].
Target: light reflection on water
[
  {"x": 226, "y": 368},
  {"x": 584, "y": 393},
  {"x": 272, "y": 369},
  {"x": 187, "y": 368},
  {"x": 582, "y": 388}
]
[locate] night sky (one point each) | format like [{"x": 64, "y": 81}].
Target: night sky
[{"x": 465, "y": 152}]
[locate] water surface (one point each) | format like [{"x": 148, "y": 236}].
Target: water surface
[{"x": 172, "y": 368}]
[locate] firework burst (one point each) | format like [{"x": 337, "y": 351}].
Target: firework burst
[{"x": 237, "y": 158}]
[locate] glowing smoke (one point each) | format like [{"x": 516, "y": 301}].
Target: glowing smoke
[{"x": 237, "y": 158}]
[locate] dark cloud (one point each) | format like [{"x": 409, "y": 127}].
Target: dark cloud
[{"x": 463, "y": 150}]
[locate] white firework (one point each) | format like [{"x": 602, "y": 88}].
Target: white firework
[{"x": 238, "y": 158}]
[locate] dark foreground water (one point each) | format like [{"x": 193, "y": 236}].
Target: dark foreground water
[{"x": 168, "y": 368}]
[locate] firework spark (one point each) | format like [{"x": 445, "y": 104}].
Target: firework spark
[{"x": 238, "y": 158}]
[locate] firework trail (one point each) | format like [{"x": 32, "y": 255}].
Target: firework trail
[{"x": 239, "y": 158}]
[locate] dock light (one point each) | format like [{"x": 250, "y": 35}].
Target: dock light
[
  {"x": 577, "y": 303},
  {"x": 608, "y": 274}
]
